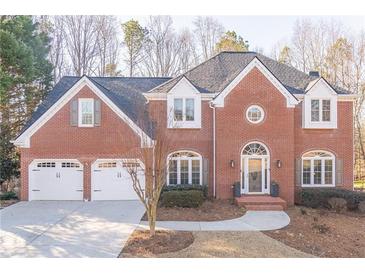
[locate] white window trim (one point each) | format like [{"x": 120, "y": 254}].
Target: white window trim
[
  {"x": 321, "y": 110},
  {"x": 184, "y": 109},
  {"x": 82, "y": 100},
  {"x": 332, "y": 157},
  {"x": 178, "y": 159},
  {"x": 260, "y": 109}
]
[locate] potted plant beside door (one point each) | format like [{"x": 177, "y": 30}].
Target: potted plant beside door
[{"x": 274, "y": 189}]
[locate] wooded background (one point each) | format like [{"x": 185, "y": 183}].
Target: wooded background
[{"x": 36, "y": 51}]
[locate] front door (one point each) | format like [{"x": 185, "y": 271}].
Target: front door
[{"x": 255, "y": 175}]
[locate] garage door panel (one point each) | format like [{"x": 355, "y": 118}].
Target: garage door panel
[
  {"x": 56, "y": 180},
  {"x": 111, "y": 181}
]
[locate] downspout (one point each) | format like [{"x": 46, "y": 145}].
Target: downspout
[{"x": 214, "y": 169}]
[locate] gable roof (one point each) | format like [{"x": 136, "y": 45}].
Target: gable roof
[
  {"x": 215, "y": 74},
  {"x": 124, "y": 92}
]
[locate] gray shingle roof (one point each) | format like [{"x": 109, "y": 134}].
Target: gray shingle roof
[
  {"x": 213, "y": 75},
  {"x": 125, "y": 92}
]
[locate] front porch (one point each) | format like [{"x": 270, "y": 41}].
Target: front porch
[{"x": 261, "y": 202}]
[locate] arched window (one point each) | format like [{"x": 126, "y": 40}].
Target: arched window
[
  {"x": 184, "y": 168},
  {"x": 254, "y": 149},
  {"x": 318, "y": 168}
]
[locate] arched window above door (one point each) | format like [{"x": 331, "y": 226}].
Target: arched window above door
[{"x": 254, "y": 149}]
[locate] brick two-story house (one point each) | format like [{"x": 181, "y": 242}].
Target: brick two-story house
[{"x": 237, "y": 117}]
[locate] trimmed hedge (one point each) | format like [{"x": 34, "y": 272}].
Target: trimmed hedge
[
  {"x": 318, "y": 197},
  {"x": 8, "y": 196},
  {"x": 182, "y": 198},
  {"x": 204, "y": 188}
]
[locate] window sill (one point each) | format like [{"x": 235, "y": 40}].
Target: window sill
[{"x": 309, "y": 186}]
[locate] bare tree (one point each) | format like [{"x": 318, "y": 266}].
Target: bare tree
[
  {"x": 207, "y": 31},
  {"x": 154, "y": 168},
  {"x": 161, "y": 51},
  {"x": 107, "y": 45},
  {"x": 188, "y": 57},
  {"x": 81, "y": 34}
]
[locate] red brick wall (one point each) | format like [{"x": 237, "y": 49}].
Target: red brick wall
[
  {"x": 338, "y": 141},
  {"x": 198, "y": 140},
  {"x": 57, "y": 139},
  {"x": 234, "y": 132},
  {"x": 281, "y": 132}
]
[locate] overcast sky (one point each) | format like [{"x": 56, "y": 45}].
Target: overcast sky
[{"x": 261, "y": 31}]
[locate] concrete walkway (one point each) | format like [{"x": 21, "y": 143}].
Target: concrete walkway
[{"x": 251, "y": 221}]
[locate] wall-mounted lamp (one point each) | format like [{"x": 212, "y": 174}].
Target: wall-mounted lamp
[
  {"x": 231, "y": 163},
  {"x": 278, "y": 163}
]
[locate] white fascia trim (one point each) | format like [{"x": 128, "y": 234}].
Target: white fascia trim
[
  {"x": 291, "y": 101},
  {"x": 24, "y": 139},
  {"x": 163, "y": 96},
  {"x": 340, "y": 97},
  {"x": 321, "y": 80}
]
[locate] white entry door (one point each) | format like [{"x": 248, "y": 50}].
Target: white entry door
[
  {"x": 111, "y": 181},
  {"x": 55, "y": 180},
  {"x": 255, "y": 175}
]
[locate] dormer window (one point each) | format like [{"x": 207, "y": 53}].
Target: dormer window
[
  {"x": 319, "y": 106},
  {"x": 86, "y": 112},
  {"x": 184, "y": 109},
  {"x": 184, "y": 105},
  {"x": 320, "y": 110}
]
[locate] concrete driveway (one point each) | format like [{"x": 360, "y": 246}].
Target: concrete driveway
[{"x": 67, "y": 228}]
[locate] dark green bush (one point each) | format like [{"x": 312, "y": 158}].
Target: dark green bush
[
  {"x": 204, "y": 188},
  {"x": 182, "y": 198},
  {"x": 318, "y": 197},
  {"x": 8, "y": 196}
]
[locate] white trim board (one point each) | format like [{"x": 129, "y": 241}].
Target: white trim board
[
  {"x": 24, "y": 139},
  {"x": 291, "y": 101}
]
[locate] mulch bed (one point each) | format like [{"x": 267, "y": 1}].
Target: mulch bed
[
  {"x": 140, "y": 244},
  {"x": 324, "y": 233},
  {"x": 5, "y": 203},
  {"x": 211, "y": 210}
]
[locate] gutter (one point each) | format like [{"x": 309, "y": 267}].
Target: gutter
[{"x": 211, "y": 105}]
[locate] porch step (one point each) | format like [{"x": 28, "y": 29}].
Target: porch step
[
  {"x": 264, "y": 207},
  {"x": 261, "y": 202}
]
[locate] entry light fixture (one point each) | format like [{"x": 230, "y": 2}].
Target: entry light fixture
[
  {"x": 231, "y": 163},
  {"x": 278, "y": 163}
]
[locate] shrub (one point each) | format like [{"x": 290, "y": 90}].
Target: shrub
[
  {"x": 182, "y": 198},
  {"x": 318, "y": 197},
  {"x": 204, "y": 188},
  {"x": 8, "y": 196},
  {"x": 338, "y": 204},
  {"x": 362, "y": 206}
]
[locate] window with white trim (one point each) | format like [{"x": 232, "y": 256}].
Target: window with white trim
[
  {"x": 184, "y": 109},
  {"x": 318, "y": 169},
  {"x": 86, "y": 112},
  {"x": 184, "y": 168},
  {"x": 255, "y": 114},
  {"x": 320, "y": 110}
]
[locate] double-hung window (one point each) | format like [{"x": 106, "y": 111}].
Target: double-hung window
[
  {"x": 86, "y": 112},
  {"x": 184, "y": 109},
  {"x": 320, "y": 110},
  {"x": 184, "y": 168},
  {"x": 318, "y": 169}
]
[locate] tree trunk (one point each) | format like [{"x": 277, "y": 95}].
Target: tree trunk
[
  {"x": 362, "y": 149},
  {"x": 152, "y": 219}
]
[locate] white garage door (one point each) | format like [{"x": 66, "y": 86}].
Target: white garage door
[
  {"x": 55, "y": 180},
  {"x": 111, "y": 181}
]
